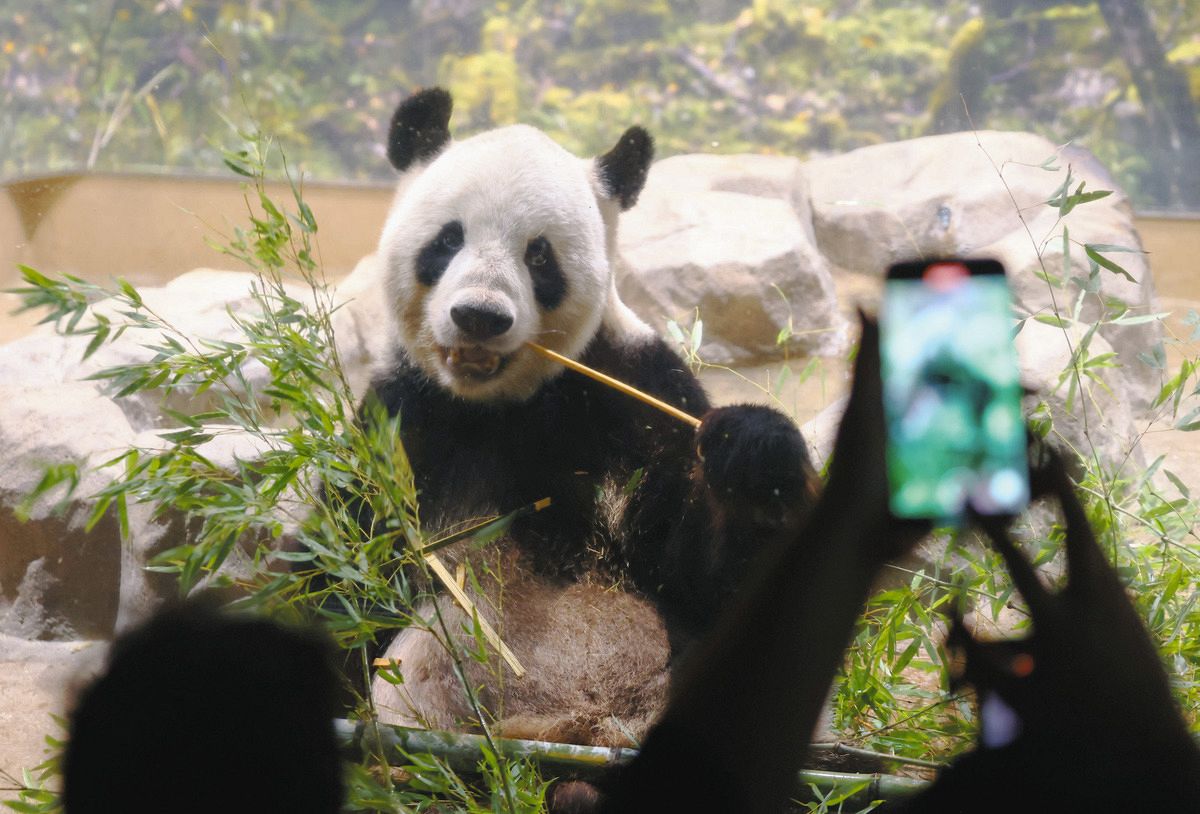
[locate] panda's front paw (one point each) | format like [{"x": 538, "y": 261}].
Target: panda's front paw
[{"x": 753, "y": 458}]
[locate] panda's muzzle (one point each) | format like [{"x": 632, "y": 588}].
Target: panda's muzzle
[{"x": 477, "y": 323}]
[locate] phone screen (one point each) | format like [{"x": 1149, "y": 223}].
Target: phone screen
[{"x": 952, "y": 393}]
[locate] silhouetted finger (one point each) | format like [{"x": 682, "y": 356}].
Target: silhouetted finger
[
  {"x": 1044, "y": 462},
  {"x": 1024, "y": 576},
  {"x": 866, "y": 392},
  {"x": 858, "y": 450},
  {"x": 1085, "y": 560}
]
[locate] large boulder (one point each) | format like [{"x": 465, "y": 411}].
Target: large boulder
[
  {"x": 39, "y": 680},
  {"x": 363, "y": 325},
  {"x": 730, "y": 237},
  {"x": 985, "y": 194},
  {"x": 58, "y": 579}
]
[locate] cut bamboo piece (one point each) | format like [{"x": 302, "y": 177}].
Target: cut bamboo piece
[
  {"x": 464, "y": 601},
  {"x": 616, "y": 384},
  {"x": 486, "y": 525}
]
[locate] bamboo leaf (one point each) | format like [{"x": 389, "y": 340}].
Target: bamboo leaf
[
  {"x": 1139, "y": 319},
  {"x": 1156, "y": 358},
  {"x": 1050, "y": 164},
  {"x": 913, "y": 648},
  {"x": 1113, "y": 247},
  {"x": 122, "y": 515},
  {"x": 1064, "y": 203},
  {"x": 1173, "y": 478},
  {"x": 237, "y": 168},
  {"x": 101, "y": 334},
  {"x": 676, "y": 332},
  {"x": 129, "y": 291},
  {"x": 1190, "y": 422},
  {"x": 1094, "y": 254},
  {"x": 785, "y": 374},
  {"x": 1051, "y": 319}
]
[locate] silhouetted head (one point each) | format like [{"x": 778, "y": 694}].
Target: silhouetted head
[{"x": 199, "y": 711}]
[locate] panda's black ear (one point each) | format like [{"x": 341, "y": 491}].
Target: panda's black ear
[
  {"x": 420, "y": 127},
  {"x": 623, "y": 169}
]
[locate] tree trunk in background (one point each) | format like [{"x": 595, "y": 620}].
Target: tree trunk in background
[{"x": 1165, "y": 97}]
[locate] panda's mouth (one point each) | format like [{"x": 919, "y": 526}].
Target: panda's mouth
[{"x": 473, "y": 361}]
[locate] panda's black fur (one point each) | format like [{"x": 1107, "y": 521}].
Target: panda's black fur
[
  {"x": 686, "y": 533},
  {"x": 652, "y": 522}
]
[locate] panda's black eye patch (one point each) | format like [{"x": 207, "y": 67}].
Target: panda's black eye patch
[
  {"x": 549, "y": 284},
  {"x": 437, "y": 253}
]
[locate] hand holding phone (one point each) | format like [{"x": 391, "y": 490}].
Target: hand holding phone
[{"x": 951, "y": 391}]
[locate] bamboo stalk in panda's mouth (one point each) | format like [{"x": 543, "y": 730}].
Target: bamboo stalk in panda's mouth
[{"x": 616, "y": 384}]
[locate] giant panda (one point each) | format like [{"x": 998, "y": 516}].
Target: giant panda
[{"x": 491, "y": 242}]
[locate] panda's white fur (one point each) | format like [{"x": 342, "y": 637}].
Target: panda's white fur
[
  {"x": 596, "y": 658},
  {"x": 507, "y": 187},
  {"x": 644, "y": 538}
]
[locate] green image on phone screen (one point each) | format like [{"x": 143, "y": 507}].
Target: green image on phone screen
[{"x": 952, "y": 397}]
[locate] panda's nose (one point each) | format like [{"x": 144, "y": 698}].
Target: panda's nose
[{"x": 480, "y": 322}]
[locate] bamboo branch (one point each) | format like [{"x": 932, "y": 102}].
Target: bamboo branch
[{"x": 628, "y": 390}]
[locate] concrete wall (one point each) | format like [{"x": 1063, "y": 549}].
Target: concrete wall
[{"x": 151, "y": 228}]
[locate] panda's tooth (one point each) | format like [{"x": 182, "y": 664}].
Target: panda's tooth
[{"x": 473, "y": 361}]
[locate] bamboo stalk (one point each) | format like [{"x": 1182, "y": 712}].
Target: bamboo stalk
[
  {"x": 460, "y": 596},
  {"x": 616, "y": 384},
  {"x": 870, "y": 754},
  {"x": 462, "y": 753}
]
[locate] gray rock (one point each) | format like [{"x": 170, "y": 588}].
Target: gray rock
[
  {"x": 967, "y": 194},
  {"x": 724, "y": 235},
  {"x": 201, "y": 304},
  {"x": 57, "y": 581},
  {"x": 38, "y": 680},
  {"x": 363, "y": 325}
]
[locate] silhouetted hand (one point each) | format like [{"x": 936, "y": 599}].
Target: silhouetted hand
[
  {"x": 1080, "y": 714},
  {"x": 858, "y": 482}
]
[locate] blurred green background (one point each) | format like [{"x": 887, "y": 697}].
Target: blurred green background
[{"x": 135, "y": 84}]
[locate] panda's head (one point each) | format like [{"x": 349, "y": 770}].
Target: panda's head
[{"x": 498, "y": 240}]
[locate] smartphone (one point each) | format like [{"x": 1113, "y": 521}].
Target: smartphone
[{"x": 952, "y": 391}]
